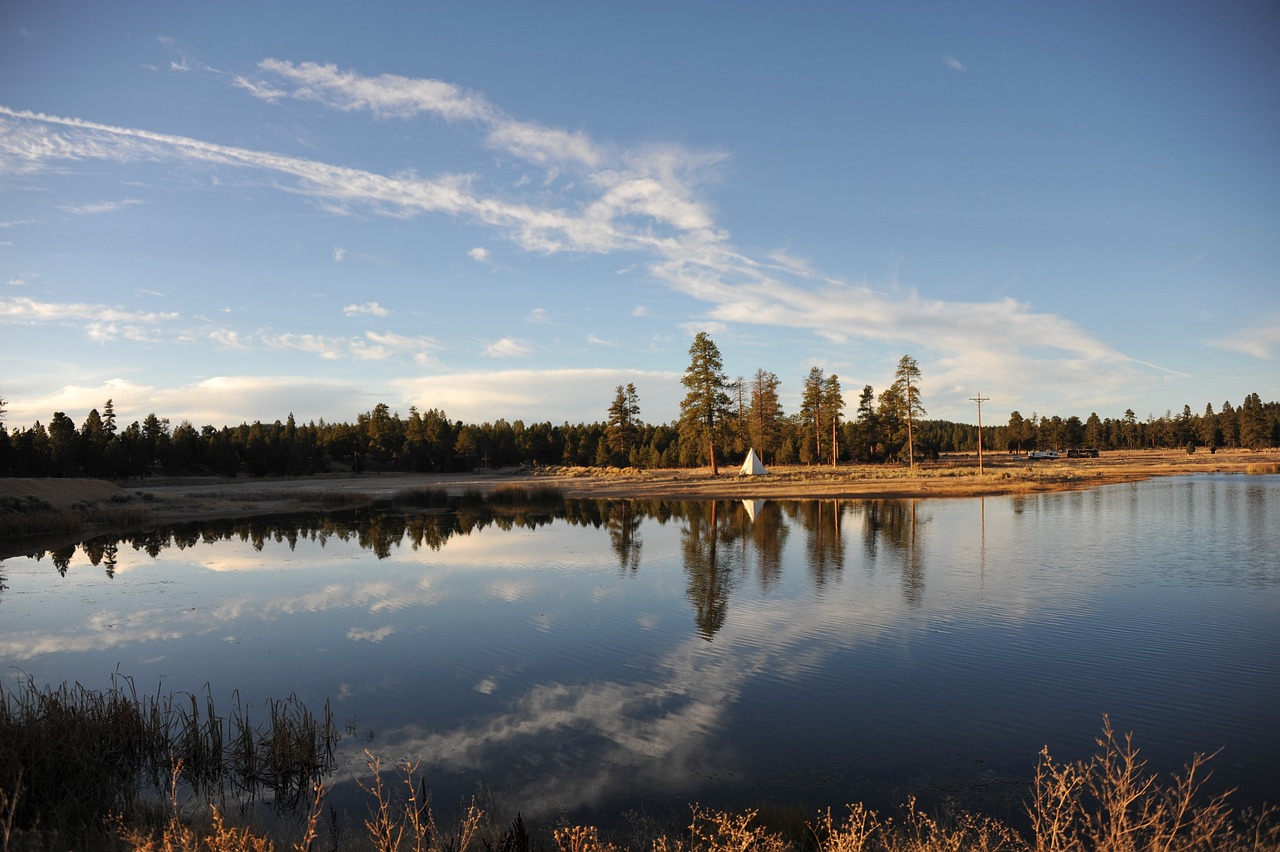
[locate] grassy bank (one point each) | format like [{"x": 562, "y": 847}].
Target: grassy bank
[{"x": 76, "y": 765}]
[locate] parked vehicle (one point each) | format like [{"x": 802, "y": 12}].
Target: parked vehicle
[{"x": 1042, "y": 454}]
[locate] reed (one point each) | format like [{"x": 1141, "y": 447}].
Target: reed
[
  {"x": 72, "y": 756},
  {"x": 1259, "y": 468}
]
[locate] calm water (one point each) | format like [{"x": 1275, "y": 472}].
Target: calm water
[{"x": 645, "y": 654}]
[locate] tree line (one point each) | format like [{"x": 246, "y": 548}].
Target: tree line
[{"x": 720, "y": 419}]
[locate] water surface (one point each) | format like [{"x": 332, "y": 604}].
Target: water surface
[{"x": 623, "y": 655}]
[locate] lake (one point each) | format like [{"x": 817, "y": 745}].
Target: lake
[{"x": 643, "y": 655}]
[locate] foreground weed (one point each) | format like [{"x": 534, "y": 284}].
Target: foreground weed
[
  {"x": 410, "y": 822},
  {"x": 1110, "y": 802}
]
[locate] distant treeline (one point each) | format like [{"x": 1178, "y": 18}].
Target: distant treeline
[{"x": 382, "y": 439}]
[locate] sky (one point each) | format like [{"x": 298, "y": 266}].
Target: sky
[{"x": 232, "y": 212}]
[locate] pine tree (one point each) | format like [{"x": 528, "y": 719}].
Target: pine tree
[
  {"x": 867, "y": 425},
  {"x": 109, "y": 419},
  {"x": 832, "y": 404},
  {"x": 1254, "y": 431},
  {"x": 707, "y": 404},
  {"x": 624, "y": 420},
  {"x": 766, "y": 414},
  {"x": 811, "y": 408},
  {"x": 1209, "y": 427},
  {"x": 908, "y": 375}
]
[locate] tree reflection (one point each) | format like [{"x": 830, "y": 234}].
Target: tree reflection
[
  {"x": 708, "y": 582},
  {"x": 766, "y": 534},
  {"x": 623, "y": 522},
  {"x": 721, "y": 542},
  {"x": 62, "y": 558},
  {"x": 821, "y": 520},
  {"x": 893, "y": 523}
]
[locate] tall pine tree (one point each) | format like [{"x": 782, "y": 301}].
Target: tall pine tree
[
  {"x": 908, "y": 377},
  {"x": 707, "y": 404}
]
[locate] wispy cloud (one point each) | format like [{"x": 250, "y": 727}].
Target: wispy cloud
[
  {"x": 379, "y": 346},
  {"x": 94, "y": 208},
  {"x": 20, "y": 309},
  {"x": 371, "y": 308},
  {"x": 954, "y": 64},
  {"x": 258, "y": 90},
  {"x": 1261, "y": 342},
  {"x": 105, "y": 325},
  {"x": 508, "y": 347},
  {"x": 393, "y": 96},
  {"x": 479, "y": 254}
]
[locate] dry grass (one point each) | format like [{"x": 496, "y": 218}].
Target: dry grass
[
  {"x": 1108, "y": 803},
  {"x": 31, "y": 515}
]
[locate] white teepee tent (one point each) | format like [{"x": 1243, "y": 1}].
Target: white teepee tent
[{"x": 752, "y": 466}]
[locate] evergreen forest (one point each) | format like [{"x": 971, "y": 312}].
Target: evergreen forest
[{"x": 720, "y": 420}]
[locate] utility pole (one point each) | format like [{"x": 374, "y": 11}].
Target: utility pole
[{"x": 980, "y": 399}]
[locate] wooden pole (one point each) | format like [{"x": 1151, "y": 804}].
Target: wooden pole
[{"x": 980, "y": 399}]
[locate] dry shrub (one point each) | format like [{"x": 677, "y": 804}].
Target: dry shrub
[
  {"x": 917, "y": 831},
  {"x": 581, "y": 838},
  {"x": 1110, "y": 802},
  {"x": 410, "y": 822},
  {"x": 855, "y": 834},
  {"x": 179, "y": 834},
  {"x": 717, "y": 831}
]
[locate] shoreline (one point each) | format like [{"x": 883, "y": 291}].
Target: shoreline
[{"x": 164, "y": 501}]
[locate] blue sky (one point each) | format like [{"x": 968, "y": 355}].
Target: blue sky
[{"x": 234, "y": 211}]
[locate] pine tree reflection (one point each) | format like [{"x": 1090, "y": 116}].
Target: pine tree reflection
[
  {"x": 708, "y": 582},
  {"x": 821, "y": 520},
  {"x": 765, "y": 534},
  {"x": 720, "y": 541},
  {"x": 623, "y": 522},
  {"x": 893, "y": 522},
  {"x": 62, "y": 558}
]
